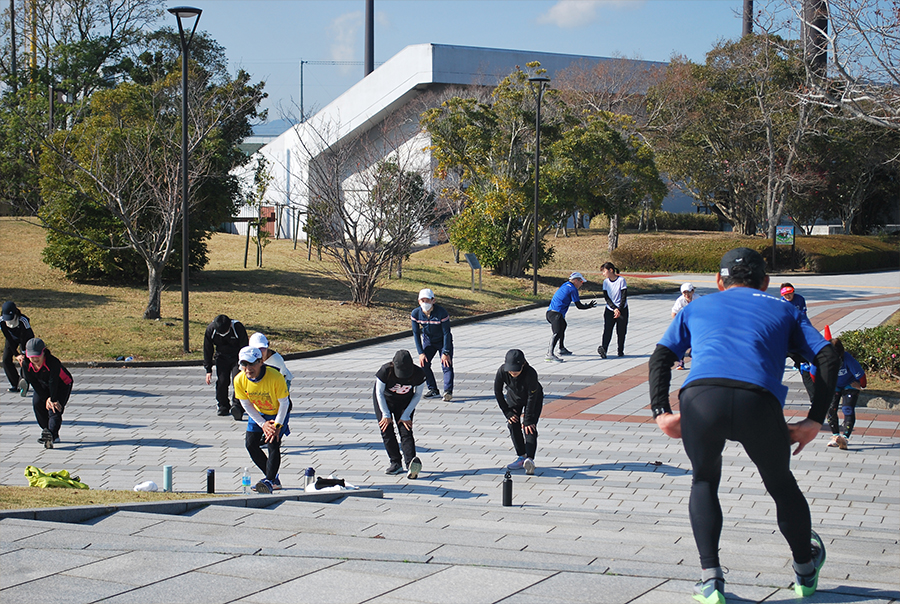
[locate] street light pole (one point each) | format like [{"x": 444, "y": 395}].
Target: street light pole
[
  {"x": 538, "y": 90},
  {"x": 185, "y": 12}
]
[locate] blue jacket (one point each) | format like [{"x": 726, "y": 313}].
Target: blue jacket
[
  {"x": 433, "y": 330},
  {"x": 564, "y": 296}
]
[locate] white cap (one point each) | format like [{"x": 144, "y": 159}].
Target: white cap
[
  {"x": 577, "y": 275},
  {"x": 249, "y": 354},
  {"x": 687, "y": 287},
  {"x": 259, "y": 340},
  {"x": 426, "y": 293}
]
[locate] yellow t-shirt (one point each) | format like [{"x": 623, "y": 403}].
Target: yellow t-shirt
[{"x": 263, "y": 394}]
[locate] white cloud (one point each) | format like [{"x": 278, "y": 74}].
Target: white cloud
[
  {"x": 346, "y": 32},
  {"x": 568, "y": 14}
]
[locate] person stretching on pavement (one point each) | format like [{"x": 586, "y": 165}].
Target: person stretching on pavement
[
  {"x": 398, "y": 388},
  {"x": 222, "y": 341},
  {"x": 521, "y": 404},
  {"x": 264, "y": 395},
  {"x": 687, "y": 295},
  {"x": 851, "y": 377},
  {"x": 740, "y": 337},
  {"x": 52, "y": 386},
  {"x": 556, "y": 313},
  {"x": 431, "y": 333},
  {"x": 16, "y": 332}
]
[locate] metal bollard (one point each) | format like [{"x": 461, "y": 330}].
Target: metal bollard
[
  {"x": 210, "y": 481},
  {"x": 167, "y": 479}
]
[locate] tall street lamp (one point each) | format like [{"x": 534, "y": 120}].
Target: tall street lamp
[
  {"x": 185, "y": 12},
  {"x": 537, "y": 86}
]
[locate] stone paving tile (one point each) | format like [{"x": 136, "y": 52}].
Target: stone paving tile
[
  {"x": 194, "y": 587},
  {"x": 464, "y": 585},
  {"x": 65, "y": 589}
]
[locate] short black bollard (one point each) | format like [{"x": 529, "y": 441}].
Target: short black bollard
[
  {"x": 507, "y": 489},
  {"x": 210, "y": 481}
]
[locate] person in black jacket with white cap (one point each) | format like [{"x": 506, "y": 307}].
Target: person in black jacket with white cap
[
  {"x": 222, "y": 342},
  {"x": 16, "y": 331},
  {"x": 521, "y": 404}
]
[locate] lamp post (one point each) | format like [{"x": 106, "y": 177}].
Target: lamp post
[
  {"x": 537, "y": 86},
  {"x": 185, "y": 12}
]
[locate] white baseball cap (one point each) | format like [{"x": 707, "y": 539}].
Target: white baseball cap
[
  {"x": 426, "y": 293},
  {"x": 249, "y": 354},
  {"x": 577, "y": 275},
  {"x": 259, "y": 340},
  {"x": 687, "y": 287}
]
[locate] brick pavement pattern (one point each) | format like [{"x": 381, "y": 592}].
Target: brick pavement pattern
[{"x": 604, "y": 518}]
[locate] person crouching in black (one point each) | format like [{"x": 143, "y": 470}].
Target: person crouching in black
[
  {"x": 52, "y": 386},
  {"x": 521, "y": 404}
]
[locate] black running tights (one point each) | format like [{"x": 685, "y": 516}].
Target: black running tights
[{"x": 712, "y": 414}]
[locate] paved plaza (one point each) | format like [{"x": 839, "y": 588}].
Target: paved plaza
[{"x": 604, "y": 518}]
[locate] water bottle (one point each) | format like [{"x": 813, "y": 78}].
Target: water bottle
[
  {"x": 245, "y": 481},
  {"x": 507, "y": 489},
  {"x": 309, "y": 477}
]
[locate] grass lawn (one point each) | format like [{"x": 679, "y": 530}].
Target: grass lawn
[
  {"x": 31, "y": 497},
  {"x": 293, "y": 301}
]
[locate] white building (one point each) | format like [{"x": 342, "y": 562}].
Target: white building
[{"x": 383, "y": 108}]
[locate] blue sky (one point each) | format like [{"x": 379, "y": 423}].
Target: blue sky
[{"x": 268, "y": 38}]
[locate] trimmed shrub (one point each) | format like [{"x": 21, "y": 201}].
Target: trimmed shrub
[
  {"x": 667, "y": 221},
  {"x": 877, "y": 349}
]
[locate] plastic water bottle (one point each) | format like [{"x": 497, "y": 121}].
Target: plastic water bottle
[{"x": 245, "y": 481}]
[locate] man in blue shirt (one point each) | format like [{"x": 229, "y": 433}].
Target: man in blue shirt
[
  {"x": 851, "y": 377},
  {"x": 556, "y": 314},
  {"x": 739, "y": 338}
]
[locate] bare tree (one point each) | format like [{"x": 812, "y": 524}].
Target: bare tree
[
  {"x": 862, "y": 38},
  {"x": 125, "y": 157},
  {"x": 367, "y": 200}
]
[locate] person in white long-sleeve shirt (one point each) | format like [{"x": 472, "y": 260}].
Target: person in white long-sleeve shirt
[
  {"x": 398, "y": 389},
  {"x": 270, "y": 357}
]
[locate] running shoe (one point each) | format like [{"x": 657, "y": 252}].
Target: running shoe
[
  {"x": 711, "y": 591},
  {"x": 842, "y": 443},
  {"x": 432, "y": 393},
  {"x": 223, "y": 412},
  {"x": 237, "y": 412},
  {"x": 395, "y": 468},
  {"x": 276, "y": 484},
  {"x": 601, "y": 351},
  {"x": 805, "y": 585},
  {"x": 448, "y": 396},
  {"x": 528, "y": 464},
  {"x": 46, "y": 439},
  {"x": 552, "y": 358},
  {"x": 23, "y": 387},
  {"x": 264, "y": 487},
  {"x": 564, "y": 352},
  {"x": 518, "y": 464},
  {"x": 834, "y": 440},
  {"x": 11, "y": 389},
  {"x": 415, "y": 466}
]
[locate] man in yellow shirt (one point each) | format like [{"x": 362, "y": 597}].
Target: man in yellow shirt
[{"x": 263, "y": 393}]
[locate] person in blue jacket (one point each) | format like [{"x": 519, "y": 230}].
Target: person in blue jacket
[
  {"x": 851, "y": 378},
  {"x": 556, "y": 314},
  {"x": 739, "y": 338},
  {"x": 431, "y": 332}
]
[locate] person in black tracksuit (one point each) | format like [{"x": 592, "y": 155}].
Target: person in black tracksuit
[
  {"x": 222, "y": 342},
  {"x": 16, "y": 331},
  {"x": 52, "y": 386},
  {"x": 398, "y": 389},
  {"x": 521, "y": 404}
]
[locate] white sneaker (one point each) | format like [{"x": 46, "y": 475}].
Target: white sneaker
[
  {"x": 448, "y": 396},
  {"x": 518, "y": 464},
  {"x": 528, "y": 465},
  {"x": 415, "y": 466}
]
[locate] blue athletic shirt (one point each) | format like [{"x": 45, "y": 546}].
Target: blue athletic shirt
[
  {"x": 798, "y": 301},
  {"x": 761, "y": 331},
  {"x": 564, "y": 296},
  {"x": 850, "y": 372}
]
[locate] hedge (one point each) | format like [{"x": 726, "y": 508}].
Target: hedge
[{"x": 877, "y": 349}]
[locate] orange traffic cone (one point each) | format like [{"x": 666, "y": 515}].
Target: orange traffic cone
[{"x": 828, "y": 333}]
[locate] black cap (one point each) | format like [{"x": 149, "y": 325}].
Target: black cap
[
  {"x": 403, "y": 365},
  {"x": 34, "y": 347},
  {"x": 515, "y": 360},
  {"x": 10, "y": 311},
  {"x": 743, "y": 256}
]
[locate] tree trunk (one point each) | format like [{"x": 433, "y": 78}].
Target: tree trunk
[
  {"x": 154, "y": 287},
  {"x": 613, "y": 237}
]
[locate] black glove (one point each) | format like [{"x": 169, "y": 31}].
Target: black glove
[{"x": 592, "y": 304}]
